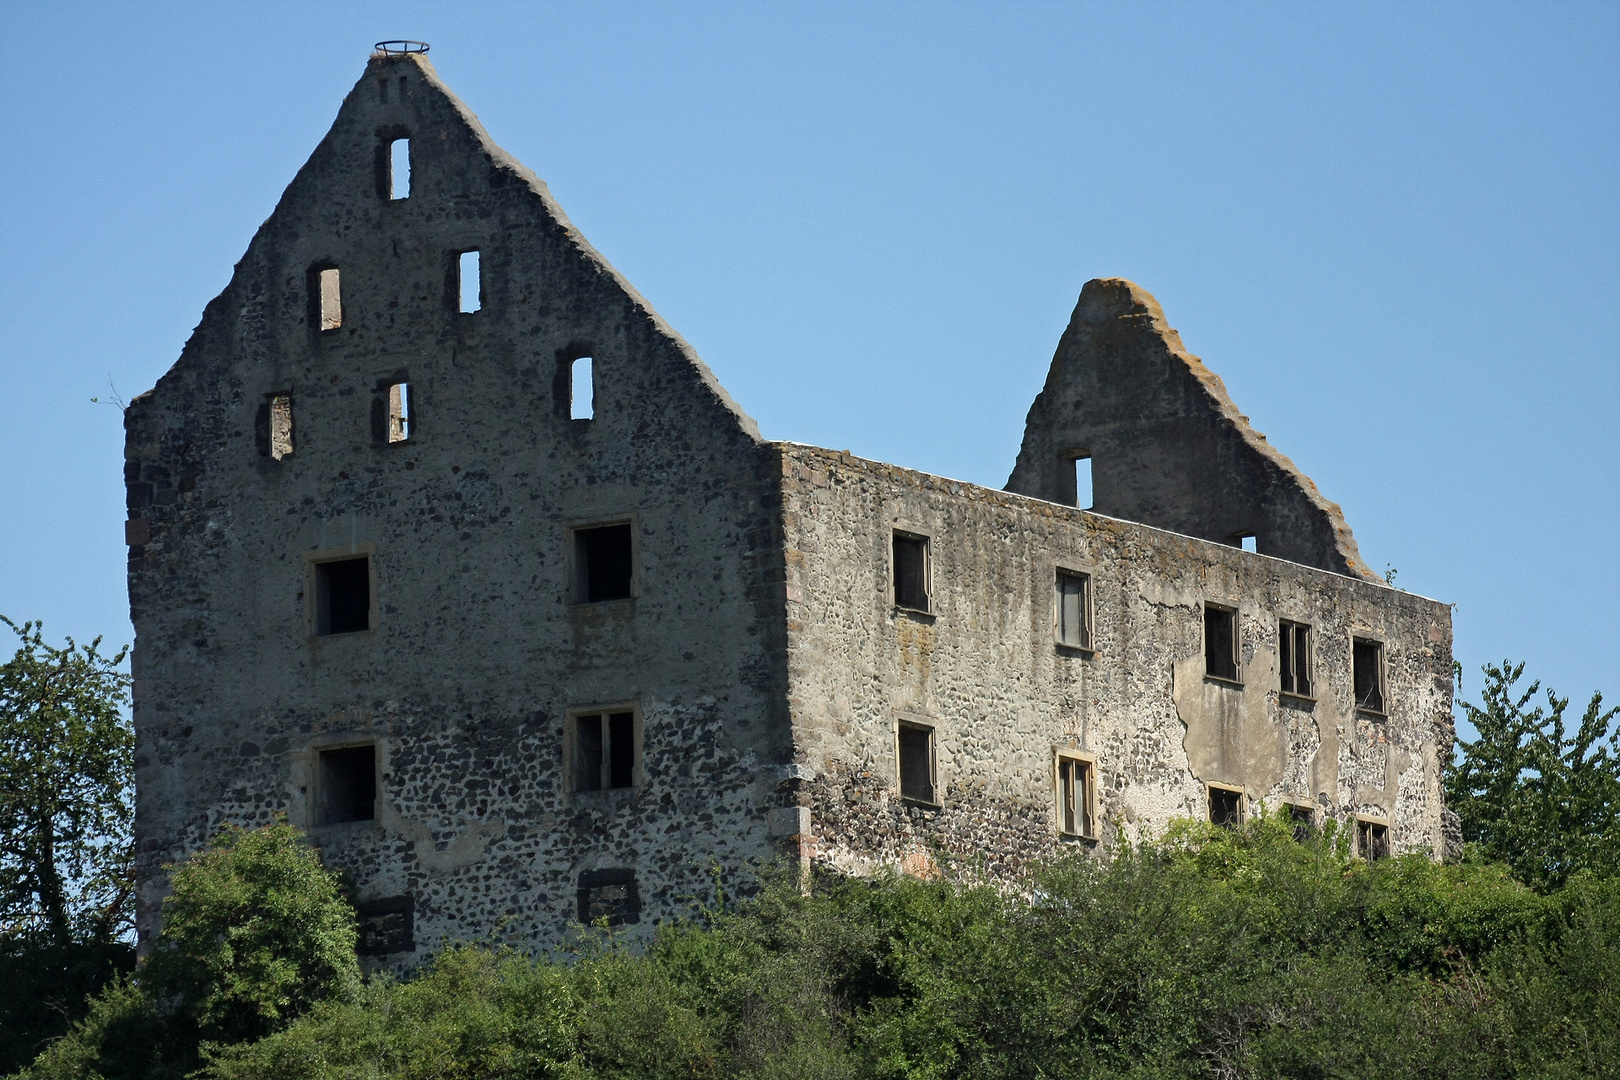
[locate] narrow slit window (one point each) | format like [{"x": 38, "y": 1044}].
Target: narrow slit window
[
  {"x": 910, "y": 571},
  {"x": 1075, "y": 794},
  {"x": 329, "y": 298},
  {"x": 916, "y": 748},
  {"x": 1225, "y": 807},
  {"x": 399, "y": 412},
  {"x": 472, "y": 284},
  {"x": 582, "y": 389},
  {"x": 605, "y": 751},
  {"x": 1367, "y": 662},
  {"x": 1074, "y": 609},
  {"x": 1220, "y": 643},
  {"x": 343, "y": 596},
  {"x": 1083, "y": 496},
  {"x": 1372, "y": 839},
  {"x": 346, "y": 786},
  {"x": 603, "y": 563},
  {"x": 1294, "y": 658},
  {"x": 399, "y": 169},
  {"x": 1304, "y": 820},
  {"x": 275, "y": 426}
]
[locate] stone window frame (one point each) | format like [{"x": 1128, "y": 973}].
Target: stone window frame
[
  {"x": 1237, "y": 789},
  {"x": 1310, "y": 659},
  {"x": 1294, "y": 803},
  {"x": 312, "y": 559},
  {"x": 1364, "y": 637},
  {"x": 1236, "y": 609},
  {"x": 1372, "y": 821},
  {"x": 570, "y": 737},
  {"x": 899, "y": 529},
  {"x": 1062, "y": 568},
  {"x": 574, "y": 592},
  {"x": 918, "y": 723},
  {"x": 1088, "y": 759},
  {"x": 312, "y": 787},
  {"x": 315, "y": 300}
]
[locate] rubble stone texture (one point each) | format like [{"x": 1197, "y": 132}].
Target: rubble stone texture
[{"x": 760, "y": 654}]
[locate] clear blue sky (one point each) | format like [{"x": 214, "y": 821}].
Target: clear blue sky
[{"x": 1393, "y": 229}]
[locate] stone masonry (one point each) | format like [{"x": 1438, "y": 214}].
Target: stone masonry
[{"x": 520, "y": 652}]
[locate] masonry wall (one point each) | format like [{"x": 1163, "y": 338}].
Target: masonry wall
[
  {"x": 477, "y": 649},
  {"x": 983, "y": 668}
]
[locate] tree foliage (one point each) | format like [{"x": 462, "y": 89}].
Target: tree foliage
[{"x": 1532, "y": 794}]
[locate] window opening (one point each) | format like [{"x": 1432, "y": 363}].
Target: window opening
[
  {"x": 604, "y": 751},
  {"x": 1225, "y": 806},
  {"x": 1304, "y": 820},
  {"x": 472, "y": 284},
  {"x": 399, "y": 412},
  {"x": 1083, "y": 497},
  {"x": 917, "y": 763},
  {"x": 399, "y": 169},
  {"x": 1294, "y": 656},
  {"x": 1372, "y": 839},
  {"x": 1075, "y": 792},
  {"x": 582, "y": 400},
  {"x": 330, "y": 299},
  {"x": 1367, "y": 660},
  {"x": 1249, "y": 542},
  {"x": 910, "y": 571},
  {"x": 343, "y": 596},
  {"x": 1074, "y": 609},
  {"x": 609, "y": 894},
  {"x": 382, "y": 91},
  {"x": 602, "y": 559},
  {"x": 276, "y": 426},
  {"x": 1220, "y": 643},
  {"x": 347, "y": 785}
]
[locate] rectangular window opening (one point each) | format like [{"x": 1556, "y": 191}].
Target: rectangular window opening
[
  {"x": 1074, "y": 609},
  {"x": 916, "y": 747},
  {"x": 1076, "y": 790},
  {"x": 399, "y": 169},
  {"x": 280, "y": 421},
  {"x": 603, "y": 563},
  {"x": 346, "y": 786},
  {"x": 910, "y": 571},
  {"x": 1220, "y": 643},
  {"x": 399, "y": 412},
  {"x": 1225, "y": 806},
  {"x": 609, "y": 895},
  {"x": 1372, "y": 839},
  {"x": 1294, "y": 657},
  {"x": 1304, "y": 820},
  {"x": 1083, "y": 496},
  {"x": 330, "y": 299},
  {"x": 343, "y": 596},
  {"x": 604, "y": 751},
  {"x": 582, "y": 390},
  {"x": 1249, "y": 542},
  {"x": 472, "y": 287},
  {"x": 1367, "y": 660}
]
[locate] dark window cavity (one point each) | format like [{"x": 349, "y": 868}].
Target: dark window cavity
[
  {"x": 1075, "y": 791},
  {"x": 1372, "y": 840},
  {"x": 343, "y": 596},
  {"x": 609, "y": 896},
  {"x": 399, "y": 169},
  {"x": 1225, "y": 807},
  {"x": 911, "y": 571},
  {"x": 328, "y": 292},
  {"x": 1304, "y": 820},
  {"x": 1294, "y": 657},
  {"x": 602, "y": 563},
  {"x": 604, "y": 751},
  {"x": 581, "y": 389},
  {"x": 346, "y": 787},
  {"x": 1367, "y": 660},
  {"x": 469, "y": 282},
  {"x": 917, "y": 763},
  {"x": 1220, "y": 643},
  {"x": 1074, "y": 609},
  {"x": 386, "y": 926}
]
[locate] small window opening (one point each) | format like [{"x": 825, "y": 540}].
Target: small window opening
[
  {"x": 472, "y": 284},
  {"x": 604, "y": 751},
  {"x": 1304, "y": 820},
  {"x": 1367, "y": 660},
  {"x": 1074, "y": 609},
  {"x": 399, "y": 169},
  {"x": 602, "y": 559},
  {"x": 331, "y": 299},
  {"x": 582, "y": 390},
  {"x": 1294, "y": 657},
  {"x": 343, "y": 596},
  {"x": 917, "y": 763},
  {"x": 911, "y": 571},
  {"x": 1083, "y": 496},
  {"x": 1372, "y": 839},
  {"x": 1075, "y": 797},
  {"x": 609, "y": 895},
  {"x": 1225, "y": 807},
  {"x": 1220, "y": 643},
  {"x": 346, "y": 787},
  {"x": 275, "y": 426},
  {"x": 399, "y": 412},
  {"x": 1249, "y": 542}
]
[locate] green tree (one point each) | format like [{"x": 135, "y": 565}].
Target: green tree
[{"x": 1533, "y": 795}]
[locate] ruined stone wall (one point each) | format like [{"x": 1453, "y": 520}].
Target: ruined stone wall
[
  {"x": 984, "y": 668},
  {"x": 476, "y": 649}
]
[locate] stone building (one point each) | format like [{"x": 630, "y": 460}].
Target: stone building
[{"x": 446, "y": 546}]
